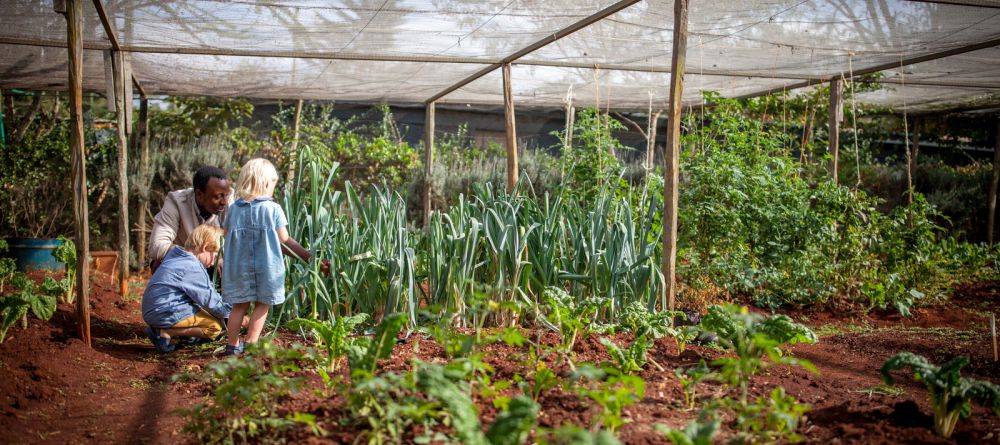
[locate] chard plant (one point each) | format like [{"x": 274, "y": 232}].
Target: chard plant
[
  {"x": 567, "y": 315},
  {"x": 26, "y": 298},
  {"x": 364, "y": 353},
  {"x": 753, "y": 338},
  {"x": 331, "y": 335},
  {"x": 629, "y": 360},
  {"x": 951, "y": 394},
  {"x": 66, "y": 253}
]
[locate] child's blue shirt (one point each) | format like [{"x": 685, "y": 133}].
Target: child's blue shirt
[
  {"x": 178, "y": 288},
  {"x": 254, "y": 269}
]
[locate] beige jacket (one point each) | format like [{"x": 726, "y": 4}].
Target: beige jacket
[{"x": 175, "y": 222}]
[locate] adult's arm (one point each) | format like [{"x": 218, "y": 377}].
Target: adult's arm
[{"x": 165, "y": 226}]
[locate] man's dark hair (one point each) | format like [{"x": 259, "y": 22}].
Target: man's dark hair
[{"x": 205, "y": 174}]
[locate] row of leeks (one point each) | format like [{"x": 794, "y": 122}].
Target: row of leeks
[{"x": 505, "y": 246}]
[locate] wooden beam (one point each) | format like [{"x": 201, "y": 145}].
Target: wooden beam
[
  {"x": 109, "y": 30},
  {"x": 836, "y": 115},
  {"x": 971, "y": 3},
  {"x": 293, "y": 155},
  {"x": 428, "y": 161},
  {"x": 671, "y": 171},
  {"x": 885, "y": 66},
  {"x": 142, "y": 136},
  {"x": 510, "y": 130},
  {"x": 74, "y": 42},
  {"x": 995, "y": 180},
  {"x": 120, "y": 124},
  {"x": 587, "y": 21}
]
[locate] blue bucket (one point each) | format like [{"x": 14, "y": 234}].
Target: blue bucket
[{"x": 35, "y": 254}]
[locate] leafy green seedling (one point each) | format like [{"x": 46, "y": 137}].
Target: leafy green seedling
[
  {"x": 752, "y": 337},
  {"x": 613, "y": 394},
  {"x": 690, "y": 378},
  {"x": 770, "y": 419},
  {"x": 332, "y": 335},
  {"x": 363, "y": 354},
  {"x": 66, "y": 253},
  {"x": 951, "y": 394},
  {"x": 698, "y": 432},
  {"x": 631, "y": 359}
]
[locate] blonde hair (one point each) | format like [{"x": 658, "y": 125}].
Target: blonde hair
[
  {"x": 254, "y": 177},
  {"x": 205, "y": 235}
]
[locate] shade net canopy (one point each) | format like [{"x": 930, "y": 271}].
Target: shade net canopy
[{"x": 409, "y": 51}]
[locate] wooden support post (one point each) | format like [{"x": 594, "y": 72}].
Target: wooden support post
[
  {"x": 293, "y": 154},
  {"x": 121, "y": 109},
  {"x": 428, "y": 161},
  {"x": 511, "y": 131},
  {"x": 651, "y": 139},
  {"x": 142, "y": 136},
  {"x": 990, "y": 218},
  {"x": 993, "y": 334},
  {"x": 909, "y": 162},
  {"x": 917, "y": 125},
  {"x": 671, "y": 153},
  {"x": 74, "y": 25},
  {"x": 836, "y": 115}
]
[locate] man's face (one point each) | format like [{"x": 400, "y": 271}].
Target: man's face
[{"x": 215, "y": 197}]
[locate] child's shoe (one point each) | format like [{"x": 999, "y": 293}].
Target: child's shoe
[
  {"x": 233, "y": 351},
  {"x": 162, "y": 344}
]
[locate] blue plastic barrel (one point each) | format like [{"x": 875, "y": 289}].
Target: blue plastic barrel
[{"x": 35, "y": 254}]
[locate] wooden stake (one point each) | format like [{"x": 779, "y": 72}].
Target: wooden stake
[
  {"x": 993, "y": 331},
  {"x": 428, "y": 161},
  {"x": 917, "y": 125},
  {"x": 672, "y": 150},
  {"x": 836, "y": 114},
  {"x": 294, "y": 150},
  {"x": 990, "y": 218},
  {"x": 74, "y": 44},
  {"x": 142, "y": 137},
  {"x": 909, "y": 161},
  {"x": 121, "y": 110},
  {"x": 511, "y": 131}
]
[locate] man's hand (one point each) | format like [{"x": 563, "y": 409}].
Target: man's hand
[{"x": 324, "y": 268}]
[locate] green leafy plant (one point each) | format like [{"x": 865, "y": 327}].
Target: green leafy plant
[
  {"x": 951, "y": 394},
  {"x": 363, "y": 354},
  {"x": 770, "y": 419},
  {"x": 752, "y": 338},
  {"x": 629, "y": 360},
  {"x": 612, "y": 391},
  {"x": 574, "y": 435},
  {"x": 698, "y": 432},
  {"x": 244, "y": 395},
  {"x": 7, "y": 265},
  {"x": 66, "y": 253},
  {"x": 333, "y": 335},
  {"x": 567, "y": 315},
  {"x": 690, "y": 378}
]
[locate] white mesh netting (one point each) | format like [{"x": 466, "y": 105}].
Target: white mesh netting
[{"x": 408, "y": 51}]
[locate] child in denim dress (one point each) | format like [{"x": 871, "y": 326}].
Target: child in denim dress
[{"x": 254, "y": 269}]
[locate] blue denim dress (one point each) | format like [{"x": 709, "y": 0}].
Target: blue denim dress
[{"x": 254, "y": 269}]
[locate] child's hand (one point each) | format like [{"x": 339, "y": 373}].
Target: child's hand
[{"x": 324, "y": 268}]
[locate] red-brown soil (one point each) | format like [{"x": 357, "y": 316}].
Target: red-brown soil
[{"x": 54, "y": 390}]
